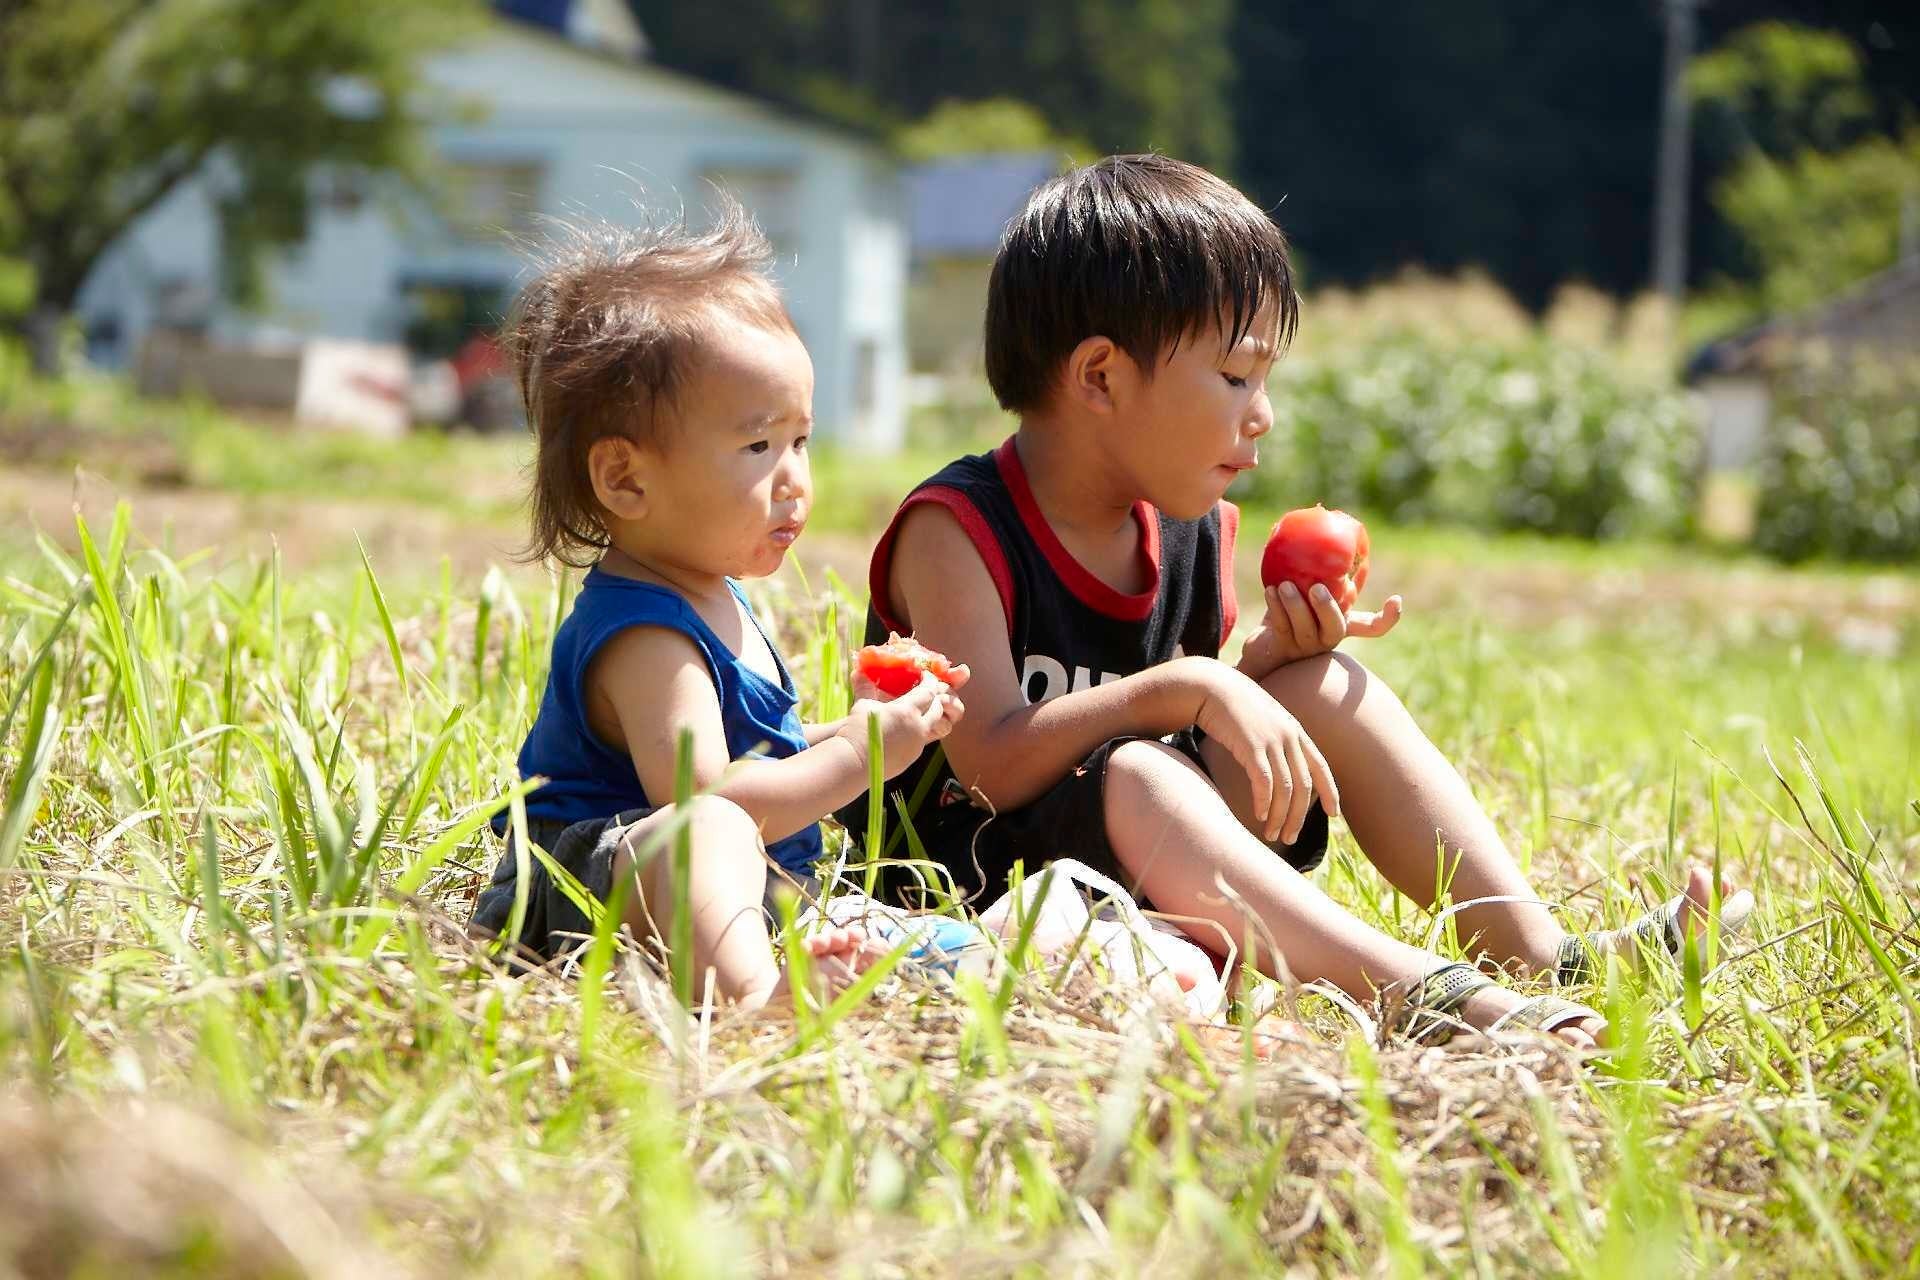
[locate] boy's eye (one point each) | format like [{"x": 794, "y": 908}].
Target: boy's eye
[
  {"x": 800, "y": 442},
  {"x": 1233, "y": 381},
  {"x": 759, "y": 446}
]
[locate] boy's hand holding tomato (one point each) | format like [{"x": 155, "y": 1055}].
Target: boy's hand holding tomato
[
  {"x": 910, "y": 688},
  {"x": 1314, "y": 565}
]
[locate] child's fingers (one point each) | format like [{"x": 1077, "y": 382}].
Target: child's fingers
[
  {"x": 1286, "y": 795},
  {"x": 1374, "y": 625},
  {"x": 1298, "y": 797},
  {"x": 1298, "y": 615},
  {"x": 1260, "y": 777},
  {"x": 1330, "y": 625},
  {"x": 958, "y": 674},
  {"x": 1322, "y": 774}
]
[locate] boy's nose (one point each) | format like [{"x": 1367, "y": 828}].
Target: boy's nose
[{"x": 1259, "y": 417}]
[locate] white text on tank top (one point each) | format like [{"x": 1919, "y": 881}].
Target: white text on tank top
[{"x": 1056, "y": 681}]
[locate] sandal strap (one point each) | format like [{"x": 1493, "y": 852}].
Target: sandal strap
[
  {"x": 1544, "y": 1013},
  {"x": 1433, "y": 998},
  {"x": 1576, "y": 962},
  {"x": 1657, "y": 929}
]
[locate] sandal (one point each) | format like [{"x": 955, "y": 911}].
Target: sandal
[
  {"x": 1582, "y": 954},
  {"x": 1427, "y": 1016},
  {"x": 1545, "y": 1014}
]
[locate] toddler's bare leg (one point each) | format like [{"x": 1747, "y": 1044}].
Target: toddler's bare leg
[
  {"x": 1174, "y": 834},
  {"x": 728, "y": 877},
  {"x": 1403, "y": 802}
]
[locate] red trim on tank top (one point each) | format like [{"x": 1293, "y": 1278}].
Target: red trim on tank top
[
  {"x": 1089, "y": 589},
  {"x": 978, "y": 532},
  {"x": 1229, "y": 598}
]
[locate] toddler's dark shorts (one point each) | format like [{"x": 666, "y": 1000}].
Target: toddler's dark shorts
[
  {"x": 554, "y": 926},
  {"x": 979, "y": 849}
]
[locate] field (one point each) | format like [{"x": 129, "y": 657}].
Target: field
[{"x": 241, "y": 1032}]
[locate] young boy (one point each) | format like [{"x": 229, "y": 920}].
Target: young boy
[
  {"x": 1084, "y": 573},
  {"x": 672, "y": 403}
]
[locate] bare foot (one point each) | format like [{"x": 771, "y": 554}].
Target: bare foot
[
  {"x": 1271, "y": 1035},
  {"x": 839, "y": 955}
]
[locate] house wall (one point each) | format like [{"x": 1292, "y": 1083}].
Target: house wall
[{"x": 602, "y": 136}]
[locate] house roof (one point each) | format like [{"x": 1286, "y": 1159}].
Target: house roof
[
  {"x": 1853, "y": 316},
  {"x": 591, "y": 28},
  {"x": 961, "y": 205}
]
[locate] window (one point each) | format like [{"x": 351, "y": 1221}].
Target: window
[{"x": 489, "y": 200}]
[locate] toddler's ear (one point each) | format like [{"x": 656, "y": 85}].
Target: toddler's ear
[{"x": 620, "y": 474}]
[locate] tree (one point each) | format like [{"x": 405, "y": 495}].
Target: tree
[
  {"x": 1810, "y": 188},
  {"x": 108, "y": 106},
  {"x": 1126, "y": 75}
]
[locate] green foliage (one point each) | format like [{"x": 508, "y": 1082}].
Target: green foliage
[
  {"x": 1809, "y": 191},
  {"x": 1125, "y": 75},
  {"x": 1781, "y": 89},
  {"x": 1819, "y": 222},
  {"x": 107, "y": 106},
  {"x": 1540, "y": 436},
  {"x": 1841, "y": 472},
  {"x": 975, "y": 128}
]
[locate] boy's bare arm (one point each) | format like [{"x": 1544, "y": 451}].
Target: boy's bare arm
[
  {"x": 1005, "y": 750},
  {"x": 652, "y": 683}
]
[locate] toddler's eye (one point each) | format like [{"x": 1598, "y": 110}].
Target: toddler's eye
[
  {"x": 759, "y": 446},
  {"x": 801, "y": 442},
  {"x": 1234, "y": 382}
]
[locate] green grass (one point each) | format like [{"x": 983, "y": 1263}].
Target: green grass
[
  {"x": 241, "y": 1031},
  {"x": 244, "y": 818}
]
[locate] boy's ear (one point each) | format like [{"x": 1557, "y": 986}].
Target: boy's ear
[
  {"x": 1091, "y": 370},
  {"x": 621, "y": 473}
]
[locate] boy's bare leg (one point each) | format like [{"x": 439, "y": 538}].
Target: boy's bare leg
[
  {"x": 1402, "y": 799},
  {"x": 728, "y": 876},
  {"x": 1174, "y": 834}
]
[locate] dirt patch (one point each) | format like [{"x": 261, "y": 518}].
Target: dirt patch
[{"x": 1873, "y": 613}]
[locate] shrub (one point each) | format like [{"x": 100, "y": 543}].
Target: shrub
[
  {"x": 1840, "y": 472},
  {"x": 1538, "y": 435}
]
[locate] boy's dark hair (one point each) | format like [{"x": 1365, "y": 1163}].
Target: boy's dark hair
[
  {"x": 1143, "y": 249},
  {"x": 602, "y": 339}
]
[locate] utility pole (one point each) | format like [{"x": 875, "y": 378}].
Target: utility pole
[{"x": 1670, "y": 198}]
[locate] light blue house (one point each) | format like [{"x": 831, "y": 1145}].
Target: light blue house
[{"x": 574, "y": 122}]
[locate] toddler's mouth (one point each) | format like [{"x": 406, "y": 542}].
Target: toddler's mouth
[{"x": 784, "y": 534}]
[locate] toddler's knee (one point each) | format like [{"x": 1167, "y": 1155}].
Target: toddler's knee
[
  {"x": 720, "y": 831},
  {"x": 714, "y": 818}
]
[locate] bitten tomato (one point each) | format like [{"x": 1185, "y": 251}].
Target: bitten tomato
[
  {"x": 1313, "y": 545},
  {"x": 896, "y": 666}
]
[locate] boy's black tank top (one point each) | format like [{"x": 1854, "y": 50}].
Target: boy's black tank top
[{"x": 1066, "y": 629}]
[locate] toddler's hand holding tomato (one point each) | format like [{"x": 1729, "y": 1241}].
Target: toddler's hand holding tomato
[
  {"x": 909, "y": 688},
  {"x": 882, "y": 671},
  {"x": 1314, "y": 565}
]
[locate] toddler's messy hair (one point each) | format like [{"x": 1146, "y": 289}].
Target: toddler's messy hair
[
  {"x": 602, "y": 339},
  {"x": 1142, "y": 249}
]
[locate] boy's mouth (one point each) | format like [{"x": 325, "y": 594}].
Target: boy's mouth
[{"x": 784, "y": 534}]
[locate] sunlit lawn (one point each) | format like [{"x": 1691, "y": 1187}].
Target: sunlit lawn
[{"x": 235, "y": 995}]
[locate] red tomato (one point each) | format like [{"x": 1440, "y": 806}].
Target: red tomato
[
  {"x": 896, "y": 666},
  {"x": 1313, "y": 545}
]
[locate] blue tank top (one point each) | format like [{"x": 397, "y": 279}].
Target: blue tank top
[{"x": 588, "y": 779}]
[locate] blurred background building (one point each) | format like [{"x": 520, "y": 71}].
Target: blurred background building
[{"x": 569, "y": 120}]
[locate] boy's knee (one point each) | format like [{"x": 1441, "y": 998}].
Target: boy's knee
[
  {"x": 1143, "y": 763},
  {"x": 1332, "y": 679}
]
